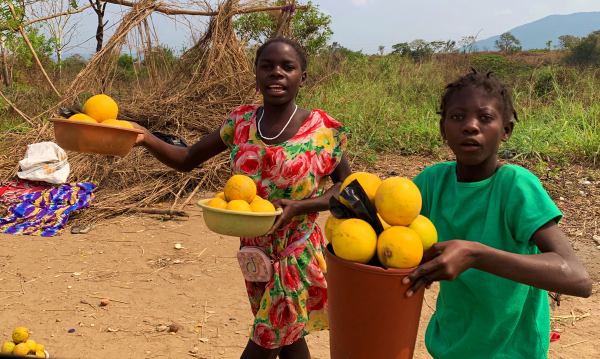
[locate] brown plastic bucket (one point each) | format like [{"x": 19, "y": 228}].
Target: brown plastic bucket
[{"x": 369, "y": 314}]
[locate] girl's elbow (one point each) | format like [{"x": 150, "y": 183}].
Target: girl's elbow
[{"x": 586, "y": 287}]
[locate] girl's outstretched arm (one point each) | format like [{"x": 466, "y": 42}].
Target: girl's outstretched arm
[
  {"x": 182, "y": 159},
  {"x": 293, "y": 208},
  {"x": 556, "y": 269}
]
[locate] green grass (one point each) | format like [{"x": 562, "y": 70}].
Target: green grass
[{"x": 390, "y": 104}]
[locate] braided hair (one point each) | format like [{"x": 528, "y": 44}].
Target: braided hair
[
  {"x": 487, "y": 82},
  {"x": 295, "y": 45}
]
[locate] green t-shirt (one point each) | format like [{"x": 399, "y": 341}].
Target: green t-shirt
[{"x": 480, "y": 315}]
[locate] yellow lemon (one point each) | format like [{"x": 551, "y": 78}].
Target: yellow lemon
[
  {"x": 383, "y": 223},
  {"x": 331, "y": 225},
  {"x": 217, "y": 203},
  {"x": 398, "y": 201},
  {"x": 262, "y": 206},
  {"x": 32, "y": 345},
  {"x": 239, "y": 205},
  {"x": 40, "y": 348},
  {"x": 21, "y": 349},
  {"x": 7, "y": 347},
  {"x": 117, "y": 123},
  {"x": 399, "y": 247},
  {"x": 101, "y": 107},
  {"x": 82, "y": 117},
  {"x": 240, "y": 187},
  {"x": 221, "y": 195},
  {"x": 426, "y": 230},
  {"x": 368, "y": 181},
  {"x": 40, "y": 354},
  {"x": 20, "y": 335},
  {"x": 354, "y": 240}
]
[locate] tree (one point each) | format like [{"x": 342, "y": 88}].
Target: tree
[
  {"x": 60, "y": 29},
  {"x": 508, "y": 43},
  {"x": 381, "y": 49},
  {"x": 418, "y": 50},
  {"x": 567, "y": 42},
  {"x": 309, "y": 26},
  {"x": 549, "y": 45},
  {"x": 467, "y": 43},
  {"x": 587, "y": 51}
]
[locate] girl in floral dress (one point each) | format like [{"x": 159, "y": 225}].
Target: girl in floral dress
[{"x": 288, "y": 152}]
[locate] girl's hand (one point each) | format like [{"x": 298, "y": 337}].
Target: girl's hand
[
  {"x": 140, "y": 137},
  {"x": 290, "y": 208},
  {"x": 443, "y": 261}
]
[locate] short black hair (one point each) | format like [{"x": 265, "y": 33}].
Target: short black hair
[
  {"x": 487, "y": 82},
  {"x": 294, "y": 44}
]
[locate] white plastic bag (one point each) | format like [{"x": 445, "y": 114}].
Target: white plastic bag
[{"x": 45, "y": 161}]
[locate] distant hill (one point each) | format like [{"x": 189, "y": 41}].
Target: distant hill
[{"x": 534, "y": 35}]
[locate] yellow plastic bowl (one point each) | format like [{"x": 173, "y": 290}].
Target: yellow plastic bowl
[{"x": 237, "y": 223}]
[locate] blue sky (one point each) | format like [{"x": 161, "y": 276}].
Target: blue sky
[{"x": 366, "y": 24}]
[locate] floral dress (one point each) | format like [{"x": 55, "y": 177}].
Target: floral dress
[{"x": 294, "y": 302}]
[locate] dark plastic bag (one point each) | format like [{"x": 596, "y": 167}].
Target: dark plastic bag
[{"x": 360, "y": 206}]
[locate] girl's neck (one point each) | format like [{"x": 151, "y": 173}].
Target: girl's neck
[
  {"x": 476, "y": 173},
  {"x": 275, "y": 113}
]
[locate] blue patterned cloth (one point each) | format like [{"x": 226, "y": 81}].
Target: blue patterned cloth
[{"x": 46, "y": 212}]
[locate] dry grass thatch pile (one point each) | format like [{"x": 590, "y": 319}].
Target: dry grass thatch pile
[{"x": 210, "y": 79}]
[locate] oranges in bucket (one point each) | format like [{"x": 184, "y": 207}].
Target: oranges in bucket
[{"x": 406, "y": 234}]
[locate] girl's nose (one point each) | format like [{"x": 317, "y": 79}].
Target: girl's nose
[
  {"x": 277, "y": 71},
  {"x": 471, "y": 125}
]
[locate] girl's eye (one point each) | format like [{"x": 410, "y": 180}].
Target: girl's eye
[
  {"x": 455, "y": 117},
  {"x": 486, "y": 117},
  {"x": 288, "y": 67}
]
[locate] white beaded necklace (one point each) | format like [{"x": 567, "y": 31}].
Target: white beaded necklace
[{"x": 280, "y": 132}]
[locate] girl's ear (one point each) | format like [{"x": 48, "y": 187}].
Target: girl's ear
[
  {"x": 303, "y": 78},
  {"x": 442, "y": 131},
  {"x": 508, "y": 129}
]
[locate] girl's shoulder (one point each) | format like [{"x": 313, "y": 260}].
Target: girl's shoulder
[
  {"x": 243, "y": 111},
  {"x": 327, "y": 120}
]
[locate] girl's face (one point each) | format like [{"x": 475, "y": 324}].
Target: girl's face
[
  {"x": 474, "y": 127},
  {"x": 279, "y": 73}
]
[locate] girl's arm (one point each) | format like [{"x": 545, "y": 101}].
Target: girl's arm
[
  {"x": 182, "y": 159},
  {"x": 556, "y": 269},
  {"x": 292, "y": 208}
]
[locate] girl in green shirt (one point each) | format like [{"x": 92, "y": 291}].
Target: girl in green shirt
[{"x": 500, "y": 249}]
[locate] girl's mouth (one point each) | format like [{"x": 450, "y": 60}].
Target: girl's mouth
[
  {"x": 275, "y": 89},
  {"x": 470, "y": 145}
]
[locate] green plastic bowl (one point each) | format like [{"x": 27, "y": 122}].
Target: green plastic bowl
[{"x": 237, "y": 223}]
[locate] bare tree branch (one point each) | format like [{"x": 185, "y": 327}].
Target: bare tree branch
[
  {"x": 174, "y": 11},
  {"x": 33, "y": 21}
]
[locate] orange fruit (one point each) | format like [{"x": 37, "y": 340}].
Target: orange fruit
[
  {"x": 239, "y": 205},
  {"x": 7, "y": 347},
  {"x": 217, "y": 203},
  {"x": 354, "y": 240},
  {"x": 101, "y": 107},
  {"x": 399, "y": 247},
  {"x": 21, "y": 349},
  {"x": 368, "y": 181},
  {"x": 240, "y": 187},
  {"x": 82, "y": 117},
  {"x": 426, "y": 230},
  {"x": 262, "y": 206},
  {"x": 398, "y": 201},
  {"x": 383, "y": 223},
  {"x": 331, "y": 225},
  {"x": 117, "y": 123},
  {"x": 20, "y": 335}
]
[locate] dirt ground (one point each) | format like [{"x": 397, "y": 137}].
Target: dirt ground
[{"x": 54, "y": 285}]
